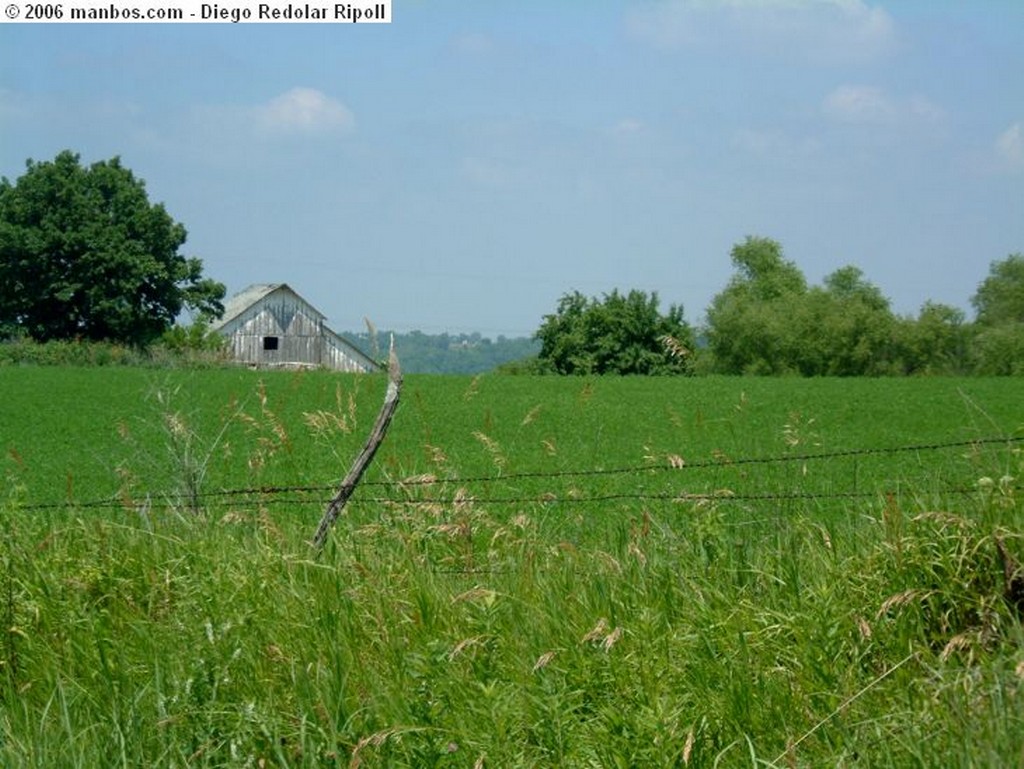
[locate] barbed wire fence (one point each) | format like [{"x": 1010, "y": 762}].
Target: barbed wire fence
[{"x": 397, "y": 492}]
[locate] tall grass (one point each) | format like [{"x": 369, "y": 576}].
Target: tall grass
[
  {"x": 439, "y": 628},
  {"x": 437, "y": 637}
]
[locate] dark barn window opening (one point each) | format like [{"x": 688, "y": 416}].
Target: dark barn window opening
[{"x": 270, "y": 342}]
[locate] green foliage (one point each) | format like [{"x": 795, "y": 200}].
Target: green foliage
[
  {"x": 749, "y": 322},
  {"x": 762, "y": 272},
  {"x": 179, "y": 347},
  {"x": 999, "y": 350},
  {"x": 22, "y": 352},
  {"x": 998, "y": 344},
  {"x": 843, "y": 329},
  {"x": 619, "y": 334},
  {"x": 1000, "y": 297},
  {"x": 767, "y": 321},
  {"x": 83, "y": 254},
  {"x": 193, "y": 338},
  {"x": 936, "y": 342}
]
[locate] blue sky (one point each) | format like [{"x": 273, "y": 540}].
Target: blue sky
[{"x": 463, "y": 167}]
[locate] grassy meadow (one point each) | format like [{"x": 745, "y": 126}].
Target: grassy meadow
[{"x": 534, "y": 572}]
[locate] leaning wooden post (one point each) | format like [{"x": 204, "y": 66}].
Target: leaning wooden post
[{"x": 380, "y": 428}]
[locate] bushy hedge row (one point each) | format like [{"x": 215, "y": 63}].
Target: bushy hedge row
[{"x": 26, "y": 352}]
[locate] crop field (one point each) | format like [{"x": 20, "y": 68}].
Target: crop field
[{"x": 605, "y": 572}]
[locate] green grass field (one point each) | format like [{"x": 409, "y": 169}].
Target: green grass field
[{"x": 534, "y": 572}]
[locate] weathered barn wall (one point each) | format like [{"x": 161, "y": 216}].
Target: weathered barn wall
[
  {"x": 337, "y": 355},
  {"x": 271, "y": 325}
]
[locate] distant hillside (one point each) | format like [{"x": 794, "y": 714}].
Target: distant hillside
[{"x": 447, "y": 353}]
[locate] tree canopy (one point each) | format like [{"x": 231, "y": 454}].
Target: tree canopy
[
  {"x": 83, "y": 254},
  {"x": 619, "y": 334},
  {"x": 767, "y": 320},
  {"x": 750, "y": 321},
  {"x": 1000, "y": 297}
]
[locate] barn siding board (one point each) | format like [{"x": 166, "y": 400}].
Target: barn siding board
[{"x": 302, "y": 337}]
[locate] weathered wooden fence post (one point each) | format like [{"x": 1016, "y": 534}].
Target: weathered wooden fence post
[{"x": 380, "y": 428}]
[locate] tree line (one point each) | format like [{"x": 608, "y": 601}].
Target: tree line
[
  {"x": 85, "y": 256},
  {"x": 769, "y": 321}
]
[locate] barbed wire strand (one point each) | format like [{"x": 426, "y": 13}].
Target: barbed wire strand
[{"x": 212, "y": 498}]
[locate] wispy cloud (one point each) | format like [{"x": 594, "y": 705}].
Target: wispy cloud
[
  {"x": 1009, "y": 147},
  {"x": 866, "y": 104},
  {"x": 821, "y": 30},
  {"x": 304, "y": 110}
]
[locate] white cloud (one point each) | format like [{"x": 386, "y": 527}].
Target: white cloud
[
  {"x": 304, "y": 110},
  {"x": 870, "y": 105},
  {"x": 821, "y": 30},
  {"x": 1009, "y": 147},
  {"x": 628, "y": 127},
  {"x": 227, "y": 134}
]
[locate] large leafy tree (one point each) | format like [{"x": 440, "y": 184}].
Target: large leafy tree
[
  {"x": 749, "y": 323},
  {"x": 618, "y": 334},
  {"x": 83, "y": 254}
]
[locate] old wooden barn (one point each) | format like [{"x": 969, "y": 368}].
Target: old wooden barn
[{"x": 269, "y": 324}]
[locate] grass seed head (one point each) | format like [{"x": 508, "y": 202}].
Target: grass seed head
[
  {"x": 176, "y": 425},
  {"x": 959, "y": 642},
  {"x": 688, "y": 747},
  {"x": 464, "y": 644},
  {"x": 612, "y": 638},
  {"x": 531, "y": 415},
  {"x": 482, "y": 594},
  {"x": 596, "y": 632},
  {"x": 900, "y": 600},
  {"x": 674, "y": 347},
  {"x": 435, "y": 454},
  {"x": 492, "y": 447},
  {"x": 543, "y": 661}
]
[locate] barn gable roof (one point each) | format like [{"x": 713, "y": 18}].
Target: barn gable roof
[{"x": 249, "y": 296}]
